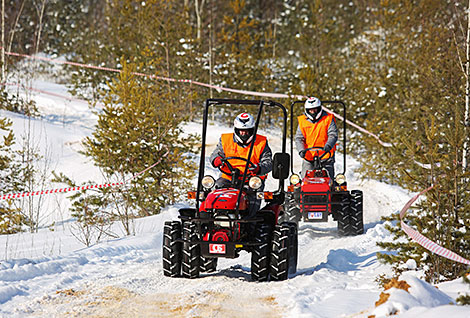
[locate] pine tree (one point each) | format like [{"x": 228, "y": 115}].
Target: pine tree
[
  {"x": 140, "y": 126},
  {"x": 11, "y": 219}
]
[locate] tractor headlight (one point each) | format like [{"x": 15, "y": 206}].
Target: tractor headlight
[
  {"x": 294, "y": 179},
  {"x": 255, "y": 183},
  {"x": 208, "y": 182},
  {"x": 340, "y": 179}
]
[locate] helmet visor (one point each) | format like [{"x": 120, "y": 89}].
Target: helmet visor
[
  {"x": 314, "y": 111},
  {"x": 244, "y": 134}
]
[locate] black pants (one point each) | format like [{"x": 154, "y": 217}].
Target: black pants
[{"x": 328, "y": 164}]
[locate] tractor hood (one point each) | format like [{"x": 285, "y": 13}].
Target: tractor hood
[{"x": 224, "y": 199}]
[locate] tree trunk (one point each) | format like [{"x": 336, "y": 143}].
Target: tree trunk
[
  {"x": 467, "y": 92},
  {"x": 198, "y": 16},
  {"x": 3, "y": 41}
]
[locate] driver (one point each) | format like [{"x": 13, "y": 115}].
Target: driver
[
  {"x": 317, "y": 128},
  {"x": 237, "y": 144}
]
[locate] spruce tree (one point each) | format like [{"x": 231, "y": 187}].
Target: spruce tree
[
  {"x": 11, "y": 219},
  {"x": 141, "y": 125}
]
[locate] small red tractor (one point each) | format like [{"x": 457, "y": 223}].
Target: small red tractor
[
  {"x": 220, "y": 226},
  {"x": 318, "y": 195}
]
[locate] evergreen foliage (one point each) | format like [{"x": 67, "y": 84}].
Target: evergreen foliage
[
  {"x": 139, "y": 126},
  {"x": 11, "y": 220}
]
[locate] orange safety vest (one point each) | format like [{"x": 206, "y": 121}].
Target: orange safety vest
[
  {"x": 232, "y": 149},
  {"x": 316, "y": 135}
]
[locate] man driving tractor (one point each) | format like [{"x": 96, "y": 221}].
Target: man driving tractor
[
  {"x": 237, "y": 144},
  {"x": 317, "y": 129}
]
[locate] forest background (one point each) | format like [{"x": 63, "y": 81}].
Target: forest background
[{"x": 401, "y": 67}]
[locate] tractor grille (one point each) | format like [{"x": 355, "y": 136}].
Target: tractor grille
[{"x": 309, "y": 199}]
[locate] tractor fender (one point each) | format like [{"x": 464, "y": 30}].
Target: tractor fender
[{"x": 187, "y": 212}]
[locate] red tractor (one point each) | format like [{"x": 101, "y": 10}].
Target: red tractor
[
  {"x": 318, "y": 195},
  {"x": 219, "y": 226}
]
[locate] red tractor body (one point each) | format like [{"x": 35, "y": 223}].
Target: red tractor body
[{"x": 315, "y": 198}]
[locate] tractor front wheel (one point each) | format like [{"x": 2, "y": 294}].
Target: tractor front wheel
[
  {"x": 191, "y": 252},
  {"x": 208, "y": 264},
  {"x": 279, "y": 268},
  {"x": 291, "y": 209},
  {"x": 260, "y": 254}
]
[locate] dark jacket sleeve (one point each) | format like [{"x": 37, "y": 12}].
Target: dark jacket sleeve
[
  {"x": 266, "y": 160},
  {"x": 299, "y": 140},
  {"x": 218, "y": 151},
  {"x": 332, "y": 134}
]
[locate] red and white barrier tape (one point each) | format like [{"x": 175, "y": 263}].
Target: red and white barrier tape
[
  {"x": 424, "y": 241},
  {"x": 64, "y": 190},
  {"x": 46, "y": 92},
  {"x": 232, "y": 90}
]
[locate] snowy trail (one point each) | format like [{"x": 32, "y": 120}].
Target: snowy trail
[
  {"x": 124, "y": 277},
  {"x": 50, "y": 274}
]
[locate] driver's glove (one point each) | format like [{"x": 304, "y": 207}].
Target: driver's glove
[
  {"x": 217, "y": 162},
  {"x": 302, "y": 153},
  {"x": 255, "y": 169},
  {"x": 327, "y": 148}
]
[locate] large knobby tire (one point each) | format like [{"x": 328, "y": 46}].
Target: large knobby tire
[
  {"x": 293, "y": 247},
  {"x": 191, "y": 260},
  {"x": 260, "y": 254},
  {"x": 344, "y": 216},
  {"x": 356, "y": 214},
  {"x": 291, "y": 210},
  {"x": 208, "y": 264},
  {"x": 279, "y": 267},
  {"x": 171, "y": 250}
]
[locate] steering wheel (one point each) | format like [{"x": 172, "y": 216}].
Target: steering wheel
[
  {"x": 317, "y": 148},
  {"x": 230, "y": 167}
]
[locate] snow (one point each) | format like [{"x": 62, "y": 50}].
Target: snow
[{"x": 51, "y": 274}]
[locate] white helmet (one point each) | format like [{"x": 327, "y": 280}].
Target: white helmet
[
  {"x": 312, "y": 103},
  {"x": 244, "y": 121}
]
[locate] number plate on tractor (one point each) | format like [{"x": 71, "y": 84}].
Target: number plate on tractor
[
  {"x": 315, "y": 215},
  {"x": 217, "y": 248}
]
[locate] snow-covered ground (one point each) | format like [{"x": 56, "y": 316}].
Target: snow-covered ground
[{"x": 51, "y": 274}]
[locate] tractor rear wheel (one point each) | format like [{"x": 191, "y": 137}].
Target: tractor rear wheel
[
  {"x": 343, "y": 216},
  {"x": 357, "y": 223},
  {"x": 171, "y": 249},
  {"x": 260, "y": 254},
  {"x": 279, "y": 268},
  {"x": 191, "y": 260}
]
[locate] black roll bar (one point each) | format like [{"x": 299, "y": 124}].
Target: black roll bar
[{"x": 220, "y": 102}]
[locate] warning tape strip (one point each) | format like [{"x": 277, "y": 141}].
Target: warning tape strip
[
  {"x": 424, "y": 241},
  {"x": 64, "y": 190},
  {"x": 46, "y": 92},
  {"x": 232, "y": 90}
]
